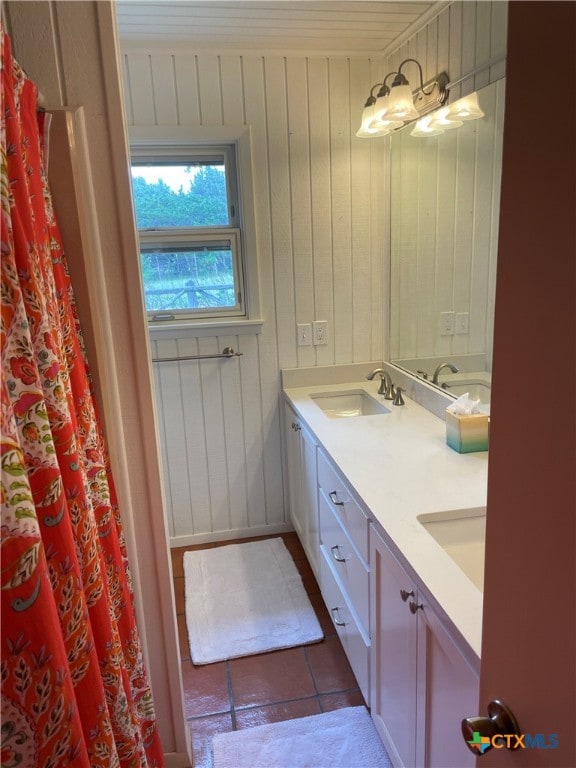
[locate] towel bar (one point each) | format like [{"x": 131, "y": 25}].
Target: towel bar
[{"x": 226, "y": 352}]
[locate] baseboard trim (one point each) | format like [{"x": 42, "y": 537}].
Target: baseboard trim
[
  {"x": 177, "y": 760},
  {"x": 238, "y": 533}
]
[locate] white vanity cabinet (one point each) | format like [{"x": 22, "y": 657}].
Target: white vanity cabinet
[
  {"x": 344, "y": 571},
  {"x": 421, "y": 683},
  {"x": 302, "y": 485}
]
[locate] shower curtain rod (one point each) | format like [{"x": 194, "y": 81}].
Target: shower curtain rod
[{"x": 226, "y": 352}]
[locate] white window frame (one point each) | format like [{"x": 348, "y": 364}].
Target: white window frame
[
  {"x": 183, "y": 239},
  {"x": 171, "y": 142}
]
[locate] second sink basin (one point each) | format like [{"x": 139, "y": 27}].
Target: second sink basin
[
  {"x": 461, "y": 534},
  {"x": 477, "y": 390},
  {"x": 338, "y": 405}
]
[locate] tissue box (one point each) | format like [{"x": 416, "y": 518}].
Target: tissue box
[{"x": 467, "y": 434}]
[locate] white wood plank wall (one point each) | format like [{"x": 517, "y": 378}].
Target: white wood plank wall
[
  {"x": 322, "y": 209},
  {"x": 446, "y": 203},
  {"x": 319, "y": 196},
  {"x": 463, "y": 37},
  {"x": 445, "y": 209}
]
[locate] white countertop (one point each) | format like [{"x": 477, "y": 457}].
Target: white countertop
[{"x": 400, "y": 467}]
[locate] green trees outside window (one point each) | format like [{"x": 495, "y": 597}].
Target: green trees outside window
[
  {"x": 183, "y": 215},
  {"x": 203, "y": 204}
]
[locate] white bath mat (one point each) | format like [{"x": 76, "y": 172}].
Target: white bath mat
[
  {"x": 345, "y": 738},
  {"x": 243, "y": 599}
]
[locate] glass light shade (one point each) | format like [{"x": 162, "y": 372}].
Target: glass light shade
[
  {"x": 426, "y": 127},
  {"x": 381, "y": 107},
  {"x": 466, "y": 108},
  {"x": 366, "y": 121},
  {"x": 401, "y": 104},
  {"x": 375, "y": 130},
  {"x": 381, "y": 115},
  {"x": 369, "y": 127},
  {"x": 444, "y": 119}
]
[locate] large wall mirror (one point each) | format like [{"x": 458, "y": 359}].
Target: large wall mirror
[{"x": 445, "y": 202}]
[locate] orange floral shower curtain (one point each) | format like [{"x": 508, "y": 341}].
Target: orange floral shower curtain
[{"x": 74, "y": 687}]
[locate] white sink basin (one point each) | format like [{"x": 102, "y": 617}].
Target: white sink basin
[
  {"x": 338, "y": 405},
  {"x": 477, "y": 390},
  {"x": 461, "y": 534}
]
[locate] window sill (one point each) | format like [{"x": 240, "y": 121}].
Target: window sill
[{"x": 171, "y": 330}]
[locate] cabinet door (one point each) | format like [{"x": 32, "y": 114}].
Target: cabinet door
[
  {"x": 292, "y": 438},
  {"x": 309, "y": 499},
  {"x": 448, "y": 688},
  {"x": 421, "y": 683},
  {"x": 393, "y": 655},
  {"x": 302, "y": 485}
]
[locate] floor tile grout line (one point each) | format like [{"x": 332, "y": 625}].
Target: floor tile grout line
[
  {"x": 231, "y": 695},
  {"x": 311, "y": 671},
  {"x": 250, "y": 707}
]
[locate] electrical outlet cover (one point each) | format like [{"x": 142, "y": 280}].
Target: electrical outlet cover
[
  {"x": 320, "y": 331},
  {"x": 446, "y": 323}
]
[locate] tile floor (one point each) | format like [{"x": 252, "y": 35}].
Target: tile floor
[{"x": 268, "y": 687}]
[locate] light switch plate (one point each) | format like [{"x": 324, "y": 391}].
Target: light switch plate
[
  {"x": 304, "y": 334},
  {"x": 462, "y": 322}
]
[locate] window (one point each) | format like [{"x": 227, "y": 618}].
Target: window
[{"x": 188, "y": 216}]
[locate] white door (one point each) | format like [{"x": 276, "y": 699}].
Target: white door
[{"x": 529, "y": 638}]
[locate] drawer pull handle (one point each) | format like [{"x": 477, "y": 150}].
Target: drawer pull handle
[
  {"x": 334, "y": 499},
  {"x": 404, "y": 594},
  {"x": 414, "y": 607},
  {"x": 335, "y": 618},
  {"x": 335, "y": 554}
]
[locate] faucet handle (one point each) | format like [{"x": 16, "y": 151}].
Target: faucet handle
[
  {"x": 398, "y": 399},
  {"x": 390, "y": 393},
  {"x": 423, "y": 374}
]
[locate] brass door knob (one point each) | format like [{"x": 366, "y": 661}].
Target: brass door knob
[{"x": 481, "y": 733}]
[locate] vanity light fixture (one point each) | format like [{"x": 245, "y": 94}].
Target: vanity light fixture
[
  {"x": 451, "y": 116},
  {"x": 369, "y": 126},
  {"x": 374, "y": 120},
  {"x": 397, "y": 105}
]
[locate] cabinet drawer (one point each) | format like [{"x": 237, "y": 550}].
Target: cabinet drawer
[
  {"x": 356, "y": 646},
  {"x": 352, "y": 517},
  {"x": 346, "y": 561}
]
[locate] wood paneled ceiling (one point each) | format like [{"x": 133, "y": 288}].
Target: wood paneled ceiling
[{"x": 322, "y": 26}]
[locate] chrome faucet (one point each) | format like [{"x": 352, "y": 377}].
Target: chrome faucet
[
  {"x": 386, "y": 387},
  {"x": 441, "y": 368}
]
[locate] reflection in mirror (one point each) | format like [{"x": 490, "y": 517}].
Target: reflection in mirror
[{"x": 445, "y": 201}]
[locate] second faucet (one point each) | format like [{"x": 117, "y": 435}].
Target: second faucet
[
  {"x": 441, "y": 367},
  {"x": 386, "y": 387}
]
